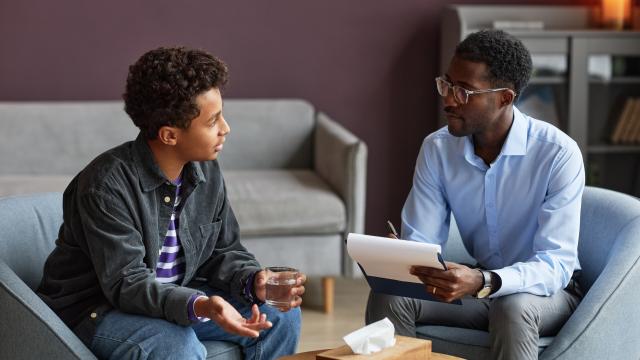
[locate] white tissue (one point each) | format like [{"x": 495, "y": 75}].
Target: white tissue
[{"x": 372, "y": 338}]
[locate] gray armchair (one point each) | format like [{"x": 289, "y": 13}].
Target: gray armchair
[
  {"x": 606, "y": 324},
  {"x": 29, "y": 329}
]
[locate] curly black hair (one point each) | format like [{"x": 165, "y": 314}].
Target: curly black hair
[
  {"x": 506, "y": 57},
  {"x": 163, "y": 84}
]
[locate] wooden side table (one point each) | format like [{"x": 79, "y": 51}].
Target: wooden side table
[{"x": 311, "y": 355}]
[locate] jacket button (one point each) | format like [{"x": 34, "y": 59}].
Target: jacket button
[
  {"x": 93, "y": 315},
  {"x": 167, "y": 199}
]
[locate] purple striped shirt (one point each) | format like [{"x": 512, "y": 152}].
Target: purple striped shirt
[
  {"x": 171, "y": 266},
  {"x": 171, "y": 263}
]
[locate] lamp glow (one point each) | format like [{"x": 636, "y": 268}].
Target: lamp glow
[{"x": 616, "y": 14}]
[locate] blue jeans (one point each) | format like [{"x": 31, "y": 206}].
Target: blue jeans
[{"x": 127, "y": 336}]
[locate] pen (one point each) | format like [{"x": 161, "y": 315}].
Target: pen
[{"x": 392, "y": 230}]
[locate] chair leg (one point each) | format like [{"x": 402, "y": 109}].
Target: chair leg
[{"x": 328, "y": 292}]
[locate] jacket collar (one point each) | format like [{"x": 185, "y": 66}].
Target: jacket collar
[{"x": 149, "y": 172}]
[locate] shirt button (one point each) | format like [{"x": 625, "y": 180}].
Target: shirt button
[
  {"x": 93, "y": 315},
  {"x": 167, "y": 199}
]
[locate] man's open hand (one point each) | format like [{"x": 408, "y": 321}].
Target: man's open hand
[
  {"x": 229, "y": 319},
  {"x": 449, "y": 285}
]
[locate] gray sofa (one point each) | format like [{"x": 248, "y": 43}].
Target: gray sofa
[{"x": 295, "y": 178}]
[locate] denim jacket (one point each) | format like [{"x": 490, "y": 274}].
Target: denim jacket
[{"x": 116, "y": 214}]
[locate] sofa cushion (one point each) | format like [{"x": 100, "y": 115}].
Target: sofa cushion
[
  {"x": 266, "y": 202},
  {"x": 44, "y": 138},
  {"x": 268, "y": 134},
  {"x": 283, "y": 202},
  {"x": 301, "y": 252}
]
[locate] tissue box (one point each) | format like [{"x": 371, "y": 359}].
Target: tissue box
[{"x": 406, "y": 348}]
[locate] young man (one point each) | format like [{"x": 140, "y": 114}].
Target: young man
[
  {"x": 149, "y": 250},
  {"x": 514, "y": 185}
]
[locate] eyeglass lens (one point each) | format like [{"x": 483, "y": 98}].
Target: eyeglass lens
[{"x": 459, "y": 94}]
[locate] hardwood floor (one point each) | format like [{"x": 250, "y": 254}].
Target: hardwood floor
[{"x": 322, "y": 331}]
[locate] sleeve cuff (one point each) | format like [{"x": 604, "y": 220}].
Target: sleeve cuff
[
  {"x": 249, "y": 290},
  {"x": 191, "y": 311},
  {"x": 511, "y": 282}
]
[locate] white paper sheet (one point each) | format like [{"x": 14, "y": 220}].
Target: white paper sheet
[{"x": 391, "y": 258}]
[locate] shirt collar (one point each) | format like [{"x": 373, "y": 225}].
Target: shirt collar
[
  {"x": 149, "y": 172},
  {"x": 515, "y": 144}
]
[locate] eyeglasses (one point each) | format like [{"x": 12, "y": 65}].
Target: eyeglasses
[{"x": 460, "y": 94}]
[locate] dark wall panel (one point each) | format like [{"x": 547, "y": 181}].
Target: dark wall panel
[{"x": 369, "y": 64}]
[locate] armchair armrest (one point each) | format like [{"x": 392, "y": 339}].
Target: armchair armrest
[
  {"x": 340, "y": 158},
  {"x": 29, "y": 329},
  {"x": 605, "y": 325}
]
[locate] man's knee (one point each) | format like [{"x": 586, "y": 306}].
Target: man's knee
[
  {"x": 380, "y": 306},
  {"x": 122, "y": 335},
  {"x": 286, "y": 322},
  {"x": 513, "y": 309},
  {"x": 179, "y": 342}
]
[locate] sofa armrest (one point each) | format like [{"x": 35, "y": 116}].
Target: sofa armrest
[
  {"x": 29, "y": 329},
  {"x": 340, "y": 158}
]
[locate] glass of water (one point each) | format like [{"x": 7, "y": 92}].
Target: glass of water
[{"x": 280, "y": 281}]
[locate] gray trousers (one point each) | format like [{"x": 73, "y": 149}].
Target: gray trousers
[{"x": 515, "y": 322}]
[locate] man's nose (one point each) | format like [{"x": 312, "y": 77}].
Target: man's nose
[
  {"x": 225, "y": 128},
  {"x": 449, "y": 99}
]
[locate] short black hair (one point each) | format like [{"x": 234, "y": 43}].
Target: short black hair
[
  {"x": 507, "y": 59},
  {"x": 163, "y": 84}
]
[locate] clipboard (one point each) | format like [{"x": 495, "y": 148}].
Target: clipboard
[{"x": 389, "y": 285}]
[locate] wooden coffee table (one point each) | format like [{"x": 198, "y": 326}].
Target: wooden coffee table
[{"x": 311, "y": 355}]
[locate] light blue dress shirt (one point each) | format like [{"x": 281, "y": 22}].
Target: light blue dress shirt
[{"x": 519, "y": 217}]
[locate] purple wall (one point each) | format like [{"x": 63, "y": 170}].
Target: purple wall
[{"x": 369, "y": 64}]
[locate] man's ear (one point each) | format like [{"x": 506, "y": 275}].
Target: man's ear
[
  {"x": 168, "y": 135},
  {"x": 507, "y": 97}
]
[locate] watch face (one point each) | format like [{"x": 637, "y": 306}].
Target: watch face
[{"x": 484, "y": 292}]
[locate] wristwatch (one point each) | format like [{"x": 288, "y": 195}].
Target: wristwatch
[{"x": 486, "y": 288}]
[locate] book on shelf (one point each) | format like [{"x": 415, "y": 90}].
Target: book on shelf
[
  {"x": 623, "y": 132},
  {"x": 621, "y": 123},
  {"x": 634, "y": 133}
]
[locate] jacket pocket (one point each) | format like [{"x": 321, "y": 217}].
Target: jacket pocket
[{"x": 210, "y": 231}]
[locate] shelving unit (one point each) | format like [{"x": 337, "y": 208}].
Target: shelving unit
[{"x": 587, "y": 107}]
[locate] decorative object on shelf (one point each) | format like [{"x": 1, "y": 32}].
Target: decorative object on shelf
[
  {"x": 600, "y": 66},
  {"x": 549, "y": 64},
  {"x": 616, "y": 14},
  {"x": 539, "y": 102}
]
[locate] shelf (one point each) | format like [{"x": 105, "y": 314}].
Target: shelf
[
  {"x": 632, "y": 80},
  {"x": 613, "y": 149},
  {"x": 542, "y": 80},
  {"x": 562, "y": 54}
]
